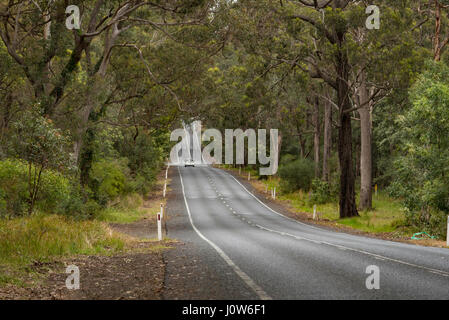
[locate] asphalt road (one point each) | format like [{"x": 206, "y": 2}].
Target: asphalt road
[{"x": 257, "y": 253}]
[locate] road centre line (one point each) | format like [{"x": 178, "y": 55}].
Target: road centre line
[
  {"x": 377, "y": 256},
  {"x": 248, "y": 281}
]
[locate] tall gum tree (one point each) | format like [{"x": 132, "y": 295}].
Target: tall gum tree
[{"x": 334, "y": 33}]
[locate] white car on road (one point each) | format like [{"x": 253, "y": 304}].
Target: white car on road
[{"x": 189, "y": 163}]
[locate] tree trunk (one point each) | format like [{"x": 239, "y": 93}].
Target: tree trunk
[
  {"x": 347, "y": 178},
  {"x": 436, "y": 42},
  {"x": 83, "y": 147},
  {"x": 366, "y": 148},
  {"x": 327, "y": 140},
  {"x": 316, "y": 136}
]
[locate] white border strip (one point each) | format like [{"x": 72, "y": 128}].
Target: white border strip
[{"x": 249, "y": 282}]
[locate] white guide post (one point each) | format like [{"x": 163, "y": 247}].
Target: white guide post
[
  {"x": 162, "y": 211},
  {"x": 159, "y": 227}
]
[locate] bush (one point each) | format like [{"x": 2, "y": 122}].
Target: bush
[
  {"x": 77, "y": 207},
  {"x": 421, "y": 173},
  {"x": 55, "y": 189},
  {"x": 13, "y": 188},
  {"x": 297, "y": 175},
  {"x": 108, "y": 180},
  {"x": 323, "y": 192},
  {"x": 287, "y": 158}
]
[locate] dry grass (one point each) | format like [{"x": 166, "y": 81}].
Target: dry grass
[
  {"x": 44, "y": 238},
  {"x": 386, "y": 216}
]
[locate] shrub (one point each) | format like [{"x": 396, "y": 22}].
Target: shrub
[
  {"x": 287, "y": 158},
  {"x": 297, "y": 175},
  {"x": 37, "y": 141},
  {"x": 323, "y": 192},
  {"x": 54, "y": 191},
  {"x": 421, "y": 173},
  {"x": 13, "y": 188},
  {"x": 108, "y": 180}
]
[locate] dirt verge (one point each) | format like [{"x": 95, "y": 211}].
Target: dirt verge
[{"x": 137, "y": 273}]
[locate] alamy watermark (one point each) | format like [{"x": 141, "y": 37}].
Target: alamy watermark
[
  {"x": 73, "y": 280},
  {"x": 373, "y": 280},
  {"x": 73, "y": 20},
  {"x": 190, "y": 147},
  {"x": 373, "y": 20}
]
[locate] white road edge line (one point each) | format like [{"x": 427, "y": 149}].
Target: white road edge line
[
  {"x": 436, "y": 271},
  {"x": 248, "y": 281}
]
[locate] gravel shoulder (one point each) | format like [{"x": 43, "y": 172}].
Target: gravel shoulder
[{"x": 194, "y": 270}]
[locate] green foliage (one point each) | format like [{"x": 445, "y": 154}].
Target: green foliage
[
  {"x": 323, "y": 192},
  {"x": 422, "y": 171},
  {"x": 145, "y": 156},
  {"x": 36, "y": 140},
  {"x": 296, "y": 175},
  {"x": 128, "y": 210},
  {"x": 13, "y": 188},
  {"x": 41, "y": 237},
  {"x": 108, "y": 180},
  {"x": 287, "y": 158},
  {"x": 55, "y": 189}
]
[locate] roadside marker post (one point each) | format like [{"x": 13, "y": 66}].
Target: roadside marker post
[
  {"x": 314, "y": 212},
  {"x": 249, "y": 176},
  {"x": 159, "y": 227},
  {"x": 162, "y": 211},
  {"x": 274, "y": 193}
]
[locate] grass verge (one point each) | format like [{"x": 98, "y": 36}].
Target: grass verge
[
  {"x": 43, "y": 238},
  {"x": 386, "y": 217}
]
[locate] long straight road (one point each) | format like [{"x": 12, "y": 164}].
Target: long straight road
[{"x": 270, "y": 256}]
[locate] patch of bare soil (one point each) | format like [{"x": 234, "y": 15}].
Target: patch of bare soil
[{"x": 137, "y": 274}]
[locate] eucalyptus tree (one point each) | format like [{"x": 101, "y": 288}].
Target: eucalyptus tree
[
  {"x": 328, "y": 41},
  {"x": 69, "y": 71}
]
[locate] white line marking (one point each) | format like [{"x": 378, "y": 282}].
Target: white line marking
[
  {"x": 249, "y": 282},
  {"x": 377, "y": 256},
  {"x": 279, "y": 214}
]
